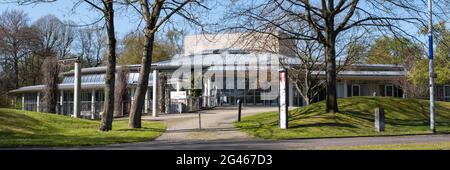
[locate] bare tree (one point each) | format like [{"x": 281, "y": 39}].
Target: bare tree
[
  {"x": 155, "y": 13},
  {"x": 92, "y": 42},
  {"x": 328, "y": 20},
  {"x": 16, "y": 43},
  {"x": 162, "y": 91},
  {"x": 50, "y": 70},
  {"x": 54, "y": 40},
  {"x": 305, "y": 73}
]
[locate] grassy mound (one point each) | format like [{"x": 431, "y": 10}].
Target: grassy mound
[
  {"x": 24, "y": 128},
  {"x": 356, "y": 117}
]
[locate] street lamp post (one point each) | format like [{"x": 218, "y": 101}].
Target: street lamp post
[{"x": 431, "y": 66}]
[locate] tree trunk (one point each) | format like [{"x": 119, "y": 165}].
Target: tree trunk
[
  {"x": 50, "y": 70},
  {"x": 120, "y": 91},
  {"x": 151, "y": 18},
  {"x": 307, "y": 100},
  {"x": 330, "y": 54},
  {"x": 162, "y": 92},
  {"x": 108, "y": 109},
  {"x": 141, "y": 89},
  {"x": 16, "y": 74}
]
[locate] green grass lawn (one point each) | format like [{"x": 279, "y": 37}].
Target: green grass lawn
[
  {"x": 23, "y": 128},
  {"x": 409, "y": 146},
  {"x": 403, "y": 116}
]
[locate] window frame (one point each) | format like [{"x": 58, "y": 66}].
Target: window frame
[
  {"x": 359, "y": 89},
  {"x": 445, "y": 91},
  {"x": 386, "y": 91}
]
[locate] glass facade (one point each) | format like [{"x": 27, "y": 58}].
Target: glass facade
[
  {"x": 90, "y": 78},
  {"x": 447, "y": 91},
  {"x": 100, "y": 78},
  {"x": 248, "y": 97}
]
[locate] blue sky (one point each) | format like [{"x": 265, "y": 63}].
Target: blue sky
[
  {"x": 126, "y": 21},
  {"x": 81, "y": 15}
]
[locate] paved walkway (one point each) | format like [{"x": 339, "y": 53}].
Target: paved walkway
[{"x": 216, "y": 124}]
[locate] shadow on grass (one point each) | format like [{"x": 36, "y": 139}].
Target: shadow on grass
[
  {"x": 22, "y": 124},
  {"x": 142, "y": 129},
  {"x": 201, "y": 130},
  {"x": 344, "y": 125},
  {"x": 403, "y": 116}
]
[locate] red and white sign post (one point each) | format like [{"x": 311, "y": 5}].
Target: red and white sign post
[{"x": 283, "y": 110}]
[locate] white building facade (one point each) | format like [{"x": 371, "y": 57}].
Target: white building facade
[{"x": 220, "y": 76}]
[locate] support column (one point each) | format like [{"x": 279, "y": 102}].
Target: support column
[
  {"x": 77, "y": 90},
  {"x": 345, "y": 89},
  {"x": 61, "y": 100},
  {"x": 208, "y": 93},
  {"x": 147, "y": 102},
  {"x": 204, "y": 95},
  {"x": 93, "y": 104},
  {"x": 155, "y": 94},
  {"x": 38, "y": 103},
  {"x": 23, "y": 101},
  {"x": 291, "y": 94}
]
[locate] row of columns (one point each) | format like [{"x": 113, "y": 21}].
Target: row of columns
[
  {"x": 77, "y": 96},
  {"x": 155, "y": 95},
  {"x": 38, "y": 102},
  {"x": 291, "y": 93}
]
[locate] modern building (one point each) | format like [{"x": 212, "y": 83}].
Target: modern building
[{"x": 223, "y": 72}]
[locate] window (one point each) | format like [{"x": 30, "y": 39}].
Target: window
[
  {"x": 68, "y": 80},
  {"x": 389, "y": 89},
  {"x": 349, "y": 90},
  {"x": 356, "y": 90},
  {"x": 447, "y": 91}
]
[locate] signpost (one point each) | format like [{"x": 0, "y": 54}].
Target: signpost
[
  {"x": 239, "y": 109},
  {"x": 283, "y": 115},
  {"x": 178, "y": 97},
  {"x": 199, "y": 120}
]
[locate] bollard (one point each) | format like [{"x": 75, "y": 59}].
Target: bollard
[
  {"x": 239, "y": 109},
  {"x": 379, "y": 119}
]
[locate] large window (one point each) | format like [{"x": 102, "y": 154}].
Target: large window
[
  {"x": 356, "y": 90},
  {"x": 258, "y": 100},
  {"x": 250, "y": 97},
  {"x": 90, "y": 78},
  {"x": 389, "y": 90},
  {"x": 447, "y": 91}
]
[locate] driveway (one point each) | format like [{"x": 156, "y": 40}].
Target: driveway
[{"x": 216, "y": 124}]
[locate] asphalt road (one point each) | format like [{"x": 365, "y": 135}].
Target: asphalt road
[{"x": 254, "y": 144}]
